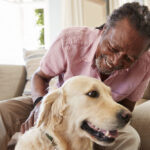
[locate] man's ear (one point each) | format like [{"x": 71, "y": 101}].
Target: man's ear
[
  {"x": 52, "y": 108},
  {"x": 105, "y": 29}
]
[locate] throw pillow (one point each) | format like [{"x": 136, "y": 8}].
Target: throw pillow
[{"x": 32, "y": 60}]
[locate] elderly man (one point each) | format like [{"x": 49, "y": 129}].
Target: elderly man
[{"x": 116, "y": 53}]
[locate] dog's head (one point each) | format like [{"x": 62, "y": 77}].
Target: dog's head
[{"x": 87, "y": 106}]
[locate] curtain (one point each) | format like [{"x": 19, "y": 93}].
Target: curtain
[
  {"x": 72, "y": 13},
  {"x": 11, "y": 34},
  {"x": 147, "y": 2},
  {"x": 113, "y": 4},
  {"x": 17, "y": 30}
]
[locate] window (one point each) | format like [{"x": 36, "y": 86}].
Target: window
[{"x": 18, "y": 30}]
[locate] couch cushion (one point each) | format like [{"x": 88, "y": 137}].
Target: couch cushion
[
  {"x": 141, "y": 122},
  {"x": 12, "y": 79}
]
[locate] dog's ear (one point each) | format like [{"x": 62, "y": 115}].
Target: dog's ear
[{"x": 52, "y": 109}]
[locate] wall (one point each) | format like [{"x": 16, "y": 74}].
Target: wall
[{"x": 94, "y": 12}]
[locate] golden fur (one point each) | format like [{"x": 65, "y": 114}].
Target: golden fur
[{"x": 64, "y": 109}]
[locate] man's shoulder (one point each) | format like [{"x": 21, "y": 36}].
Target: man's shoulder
[
  {"x": 79, "y": 34},
  {"x": 145, "y": 57},
  {"x": 143, "y": 62},
  {"x": 71, "y": 30}
]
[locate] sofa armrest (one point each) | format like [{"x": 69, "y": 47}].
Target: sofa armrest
[{"x": 12, "y": 81}]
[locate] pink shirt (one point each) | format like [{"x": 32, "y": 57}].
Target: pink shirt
[{"x": 73, "y": 53}]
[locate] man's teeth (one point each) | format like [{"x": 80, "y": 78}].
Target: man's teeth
[
  {"x": 107, "y": 133},
  {"x": 108, "y": 63}
]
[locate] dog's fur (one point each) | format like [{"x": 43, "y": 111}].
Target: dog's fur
[{"x": 64, "y": 110}]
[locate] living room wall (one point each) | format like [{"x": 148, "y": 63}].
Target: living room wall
[{"x": 94, "y": 12}]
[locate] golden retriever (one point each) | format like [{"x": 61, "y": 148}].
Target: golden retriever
[{"x": 72, "y": 116}]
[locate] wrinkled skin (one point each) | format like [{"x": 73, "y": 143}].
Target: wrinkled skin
[{"x": 31, "y": 119}]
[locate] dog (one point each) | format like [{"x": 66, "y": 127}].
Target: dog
[{"x": 74, "y": 116}]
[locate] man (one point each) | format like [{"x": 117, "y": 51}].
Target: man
[{"x": 116, "y": 53}]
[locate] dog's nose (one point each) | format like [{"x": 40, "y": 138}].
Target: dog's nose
[{"x": 124, "y": 116}]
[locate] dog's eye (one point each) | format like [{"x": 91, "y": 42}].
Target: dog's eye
[{"x": 93, "y": 94}]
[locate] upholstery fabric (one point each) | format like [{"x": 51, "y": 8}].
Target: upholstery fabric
[
  {"x": 141, "y": 122},
  {"x": 12, "y": 81},
  {"x": 147, "y": 93}
]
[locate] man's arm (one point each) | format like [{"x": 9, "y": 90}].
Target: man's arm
[
  {"x": 39, "y": 84},
  {"x": 128, "y": 104},
  {"x": 39, "y": 87}
]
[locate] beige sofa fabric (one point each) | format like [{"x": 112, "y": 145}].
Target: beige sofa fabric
[
  {"x": 141, "y": 122},
  {"x": 12, "y": 81},
  {"x": 147, "y": 93},
  {"x": 146, "y": 96}
]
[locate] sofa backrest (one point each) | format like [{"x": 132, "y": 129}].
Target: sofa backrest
[{"x": 12, "y": 81}]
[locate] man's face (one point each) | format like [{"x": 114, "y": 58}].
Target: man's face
[{"x": 120, "y": 46}]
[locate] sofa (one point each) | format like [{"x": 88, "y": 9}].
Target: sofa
[{"x": 15, "y": 81}]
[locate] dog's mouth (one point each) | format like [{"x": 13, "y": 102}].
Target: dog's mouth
[{"x": 107, "y": 136}]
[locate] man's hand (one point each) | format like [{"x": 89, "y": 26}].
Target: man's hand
[
  {"x": 31, "y": 119},
  {"x": 39, "y": 86}
]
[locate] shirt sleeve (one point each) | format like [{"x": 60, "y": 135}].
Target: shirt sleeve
[
  {"x": 54, "y": 62},
  {"x": 138, "y": 93}
]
